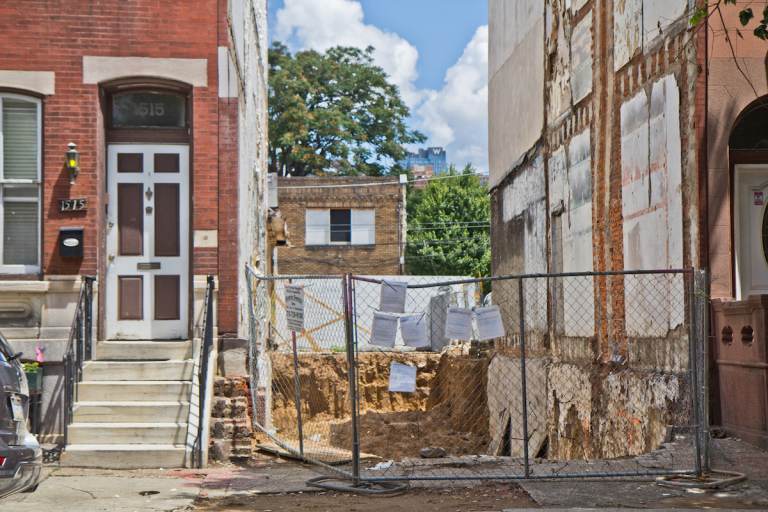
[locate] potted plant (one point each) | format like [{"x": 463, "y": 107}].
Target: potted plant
[{"x": 34, "y": 373}]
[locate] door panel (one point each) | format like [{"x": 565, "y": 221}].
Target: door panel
[
  {"x": 130, "y": 219},
  {"x": 167, "y": 219},
  {"x": 130, "y": 297},
  {"x": 147, "y": 278},
  {"x": 750, "y": 223},
  {"x": 167, "y": 297}
]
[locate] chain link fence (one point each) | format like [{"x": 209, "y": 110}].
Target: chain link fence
[{"x": 508, "y": 377}]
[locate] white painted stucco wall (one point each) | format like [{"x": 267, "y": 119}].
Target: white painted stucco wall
[
  {"x": 651, "y": 162},
  {"x": 248, "y": 58},
  {"x": 515, "y": 105}
]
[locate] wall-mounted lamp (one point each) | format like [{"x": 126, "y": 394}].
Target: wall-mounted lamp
[{"x": 73, "y": 162}]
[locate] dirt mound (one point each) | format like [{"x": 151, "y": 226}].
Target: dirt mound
[{"x": 448, "y": 409}]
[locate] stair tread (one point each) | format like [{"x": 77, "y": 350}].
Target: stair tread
[
  {"x": 136, "y": 382},
  {"x": 126, "y": 447},
  {"x": 130, "y": 403},
  {"x": 158, "y": 424}
]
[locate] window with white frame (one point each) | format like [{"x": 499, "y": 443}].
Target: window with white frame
[
  {"x": 340, "y": 226},
  {"x": 19, "y": 183}
]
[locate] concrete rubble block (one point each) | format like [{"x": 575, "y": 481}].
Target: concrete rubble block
[
  {"x": 231, "y": 386},
  {"x": 223, "y": 428},
  {"x": 221, "y": 407},
  {"x": 233, "y": 357},
  {"x": 505, "y": 405}
]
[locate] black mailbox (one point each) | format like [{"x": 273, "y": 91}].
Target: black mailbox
[{"x": 71, "y": 242}]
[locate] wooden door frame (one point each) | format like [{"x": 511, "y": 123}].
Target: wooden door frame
[{"x": 109, "y": 136}]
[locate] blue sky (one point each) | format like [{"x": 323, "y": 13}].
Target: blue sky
[
  {"x": 434, "y": 50},
  {"x": 439, "y": 29}
]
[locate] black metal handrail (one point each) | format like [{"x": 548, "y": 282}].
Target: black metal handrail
[
  {"x": 79, "y": 349},
  {"x": 202, "y": 370}
]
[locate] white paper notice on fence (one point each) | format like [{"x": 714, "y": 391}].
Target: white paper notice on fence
[
  {"x": 393, "y": 296},
  {"x": 489, "y": 324},
  {"x": 294, "y": 307},
  {"x": 458, "y": 324},
  {"x": 402, "y": 378},
  {"x": 413, "y": 329},
  {"x": 384, "y": 329}
]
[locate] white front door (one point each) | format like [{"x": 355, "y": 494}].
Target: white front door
[
  {"x": 751, "y": 230},
  {"x": 147, "y": 276}
]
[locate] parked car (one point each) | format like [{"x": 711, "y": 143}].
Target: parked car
[{"x": 21, "y": 458}]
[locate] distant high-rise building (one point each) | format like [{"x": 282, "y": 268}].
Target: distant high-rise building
[{"x": 433, "y": 157}]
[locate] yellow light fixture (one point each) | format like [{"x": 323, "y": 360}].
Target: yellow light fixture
[{"x": 73, "y": 161}]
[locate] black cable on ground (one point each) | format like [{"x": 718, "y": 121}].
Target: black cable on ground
[{"x": 366, "y": 488}]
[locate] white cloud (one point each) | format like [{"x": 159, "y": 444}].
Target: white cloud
[
  {"x": 453, "y": 117},
  {"x": 456, "y": 116}
]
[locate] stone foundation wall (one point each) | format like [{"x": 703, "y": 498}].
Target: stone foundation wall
[{"x": 231, "y": 426}]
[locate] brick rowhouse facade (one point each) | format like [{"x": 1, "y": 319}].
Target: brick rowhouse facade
[
  {"x": 377, "y": 256},
  {"x": 72, "y": 57},
  {"x": 623, "y": 95}
]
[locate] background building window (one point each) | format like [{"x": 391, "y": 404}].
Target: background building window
[
  {"x": 19, "y": 184},
  {"x": 340, "y": 226}
]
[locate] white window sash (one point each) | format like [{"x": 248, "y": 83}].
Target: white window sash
[
  {"x": 317, "y": 226},
  {"x": 363, "y": 226},
  {"x": 21, "y": 269}
]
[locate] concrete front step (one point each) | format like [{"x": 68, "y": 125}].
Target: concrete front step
[
  {"x": 124, "y": 456},
  {"x": 127, "y": 433},
  {"x": 143, "y": 350},
  {"x": 131, "y": 412},
  {"x": 146, "y": 390},
  {"x": 137, "y": 370}
]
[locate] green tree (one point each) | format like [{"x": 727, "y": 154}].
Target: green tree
[
  {"x": 708, "y": 8},
  {"x": 334, "y": 111},
  {"x": 448, "y": 227}
]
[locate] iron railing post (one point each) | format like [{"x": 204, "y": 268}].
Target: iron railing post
[
  {"x": 352, "y": 373},
  {"x": 524, "y": 390}
]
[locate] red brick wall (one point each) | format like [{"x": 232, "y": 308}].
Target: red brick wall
[{"x": 41, "y": 35}]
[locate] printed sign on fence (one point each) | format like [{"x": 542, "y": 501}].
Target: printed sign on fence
[
  {"x": 294, "y": 307},
  {"x": 393, "y": 296},
  {"x": 384, "y": 329},
  {"x": 489, "y": 324},
  {"x": 402, "y": 378},
  {"x": 413, "y": 329},
  {"x": 458, "y": 324}
]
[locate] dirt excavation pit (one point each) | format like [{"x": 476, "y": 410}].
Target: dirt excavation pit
[{"x": 448, "y": 409}]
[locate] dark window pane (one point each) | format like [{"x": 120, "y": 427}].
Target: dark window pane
[
  {"x": 341, "y": 226},
  {"x": 148, "y": 110},
  {"x": 751, "y": 130}
]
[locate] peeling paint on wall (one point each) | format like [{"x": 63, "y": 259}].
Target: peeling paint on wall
[
  {"x": 559, "y": 51},
  {"x": 652, "y": 203},
  {"x": 659, "y": 16},
  {"x": 627, "y": 30},
  {"x": 581, "y": 59}
]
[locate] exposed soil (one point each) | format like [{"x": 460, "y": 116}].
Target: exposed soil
[
  {"x": 472, "y": 499},
  {"x": 448, "y": 409}
]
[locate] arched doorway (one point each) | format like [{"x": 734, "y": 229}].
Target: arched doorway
[
  {"x": 148, "y": 167},
  {"x": 748, "y": 153}
]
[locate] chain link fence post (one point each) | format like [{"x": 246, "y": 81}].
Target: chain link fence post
[
  {"x": 701, "y": 287},
  {"x": 523, "y": 387},
  {"x": 694, "y": 350},
  {"x": 352, "y": 373}
]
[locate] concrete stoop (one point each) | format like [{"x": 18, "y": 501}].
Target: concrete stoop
[{"x": 132, "y": 408}]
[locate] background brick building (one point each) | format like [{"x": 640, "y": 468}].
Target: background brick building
[
  {"x": 162, "y": 98},
  {"x": 342, "y": 224}
]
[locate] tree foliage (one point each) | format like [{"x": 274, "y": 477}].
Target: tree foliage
[
  {"x": 334, "y": 112},
  {"x": 448, "y": 227},
  {"x": 746, "y": 15}
]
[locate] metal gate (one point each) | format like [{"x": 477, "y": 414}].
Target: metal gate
[{"x": 592, "y": 375}]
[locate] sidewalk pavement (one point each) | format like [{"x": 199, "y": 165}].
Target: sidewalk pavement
[{"x": 94, "y": 490}]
